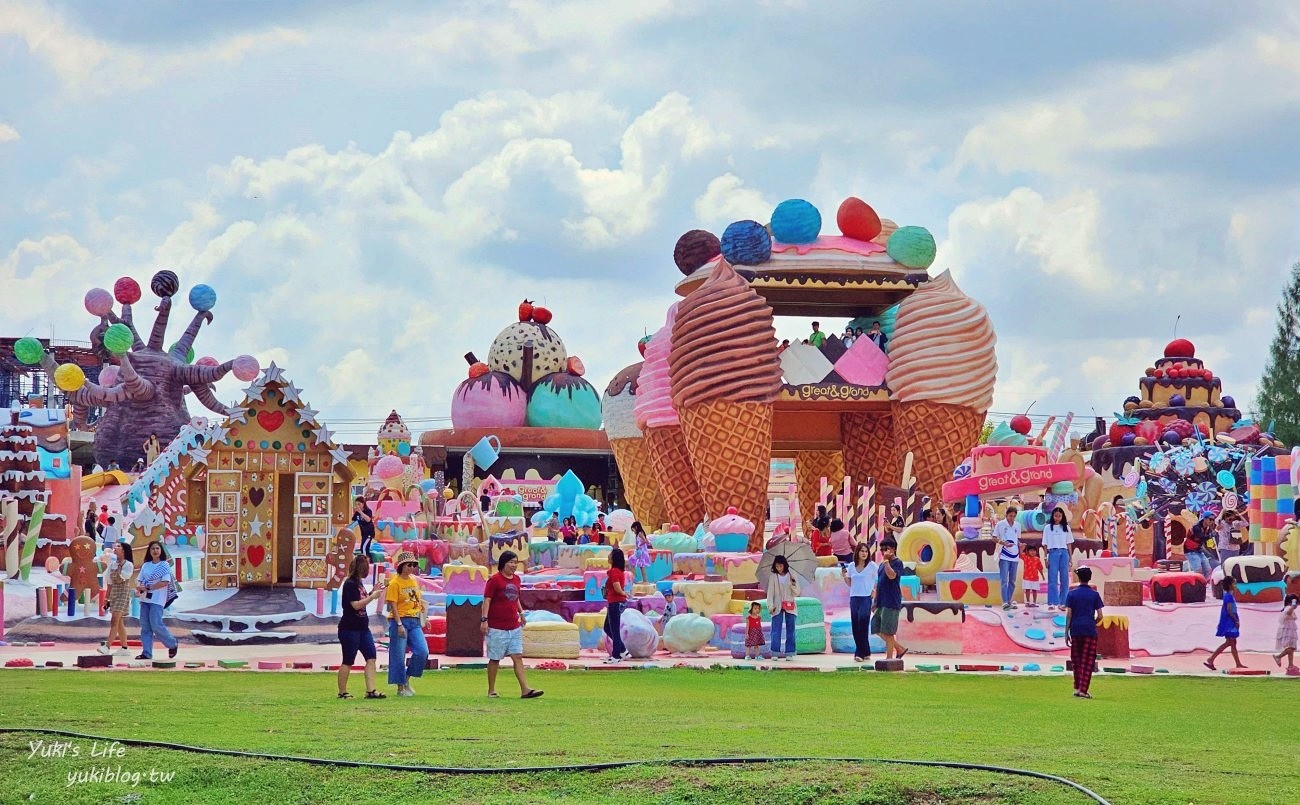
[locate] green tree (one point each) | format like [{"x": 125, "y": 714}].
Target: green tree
[{"x": 1279, "y": 388}]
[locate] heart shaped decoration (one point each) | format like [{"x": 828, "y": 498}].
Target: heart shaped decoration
[
  {"x": 255, "y": 554},
  {"x": 957, "y": 589},
  {"x": 320, "y": 484},
  {"x": 297, "y": 462},
  {"x": 230, "y": 522},
  {"x": 980, "y": 587},
  {"x": 256, "y": 495},
  {"x": 239, "y": 461},
  {"x": 270, "y": 420}
]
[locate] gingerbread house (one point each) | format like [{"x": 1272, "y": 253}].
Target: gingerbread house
[{"x": 270, "y": 488}]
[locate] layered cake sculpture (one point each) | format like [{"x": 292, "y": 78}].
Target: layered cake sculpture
[
  {"x": 733, "y": 399},
  {"x": 1179, "y": 399},
  {"x": 1007, "y": 464}
]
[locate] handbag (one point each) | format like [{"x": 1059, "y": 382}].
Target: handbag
[{"x": 787, "y": 606}]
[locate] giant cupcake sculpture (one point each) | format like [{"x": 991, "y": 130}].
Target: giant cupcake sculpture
[{"x": 717, "y": 398}]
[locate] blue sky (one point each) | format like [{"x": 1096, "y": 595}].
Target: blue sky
[{"x": 372, "y": 190}]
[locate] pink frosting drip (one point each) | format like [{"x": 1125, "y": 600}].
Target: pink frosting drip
[
  {"x": 654, "y": 393},
  {"x": 831, "y": 243}
]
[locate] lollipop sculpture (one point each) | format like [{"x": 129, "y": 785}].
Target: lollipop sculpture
[{"x": 142, "y": 385}]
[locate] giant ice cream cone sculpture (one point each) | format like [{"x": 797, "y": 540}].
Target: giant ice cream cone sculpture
[
  {"x": 941, "y": 371},
  {"x": 618, "y": 410},
  {"x": 725, "y": 376},
  {"x": 664, "y": 441}
]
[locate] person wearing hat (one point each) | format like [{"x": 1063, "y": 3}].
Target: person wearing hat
[
  {"x": 1194, "y": 545},
  {"x": 405, "y": 606}
]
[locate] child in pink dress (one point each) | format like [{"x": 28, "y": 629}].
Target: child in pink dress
[{"x": 754, "y": 641}]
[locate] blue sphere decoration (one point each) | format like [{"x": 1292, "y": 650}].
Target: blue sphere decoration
[
  {"x": 1172, "y": 437},
  {"x": 746, "y": 243},
  {"x": 911, "y": 246},
  {"x": 403, "y": 449},
  {"x": 202, "y": 297},
  {"x": 796, "y": 221}
]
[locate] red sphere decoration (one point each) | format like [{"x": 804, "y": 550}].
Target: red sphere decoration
[
  {"x": 126, "y": 291},
  {"x": 1159, "y": 373},
  {"x": 857, "y": 220},
  {"x": 694, "y": 249},
  {"x": 1180, "y": 348},
  {"x": 1021, "y": 424}
]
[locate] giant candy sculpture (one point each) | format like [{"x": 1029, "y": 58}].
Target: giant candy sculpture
[
  {"x": 618, "y": 410},
  {"x": 143, "y": 385}
]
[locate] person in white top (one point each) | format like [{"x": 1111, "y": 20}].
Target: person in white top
[
  {"x": 860, "y": 576},
  {"x": 1057, "y": 539},
  {"x": 118, "y": 570},
  {"x": 1007, "y": 533},
  {"x": 111, "y": 535}
]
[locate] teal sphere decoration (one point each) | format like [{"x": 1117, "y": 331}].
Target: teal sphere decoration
[
  {"x": 912, "y": 246},
  {"x": 796, "y": 221},
  {"x": 118, "y": 339},
  {"x": 203, "y": 298},
  {"x": 29, "y": 351}
]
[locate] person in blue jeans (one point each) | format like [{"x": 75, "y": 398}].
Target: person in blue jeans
[
  {"x": 1057, "y": 539},
  {"x": 405, "y": 606},
  {"x": 615, "y": 599},
  {"x": 153, "y": 586},
  {"x": 1007, "y": 533},
  {"x": 782, "y": 590},
  {"x": 861, "y": 579}
]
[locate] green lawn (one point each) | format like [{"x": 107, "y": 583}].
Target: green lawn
[{"x": 1149, "y": 740}]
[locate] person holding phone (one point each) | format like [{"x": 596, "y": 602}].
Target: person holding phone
[
  {"x": 354, "y": 627},
  {"x": 889, "y": 600},
  {"x": 1007, "y": 533},
  {"x": 782, "y": 590},
  {"x": 861, "y": 579},
  {"x": 153, "y": 586},
  {"x": 365, "y": 520}
]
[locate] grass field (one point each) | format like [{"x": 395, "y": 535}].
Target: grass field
[{"x": 1149, "y": 740}]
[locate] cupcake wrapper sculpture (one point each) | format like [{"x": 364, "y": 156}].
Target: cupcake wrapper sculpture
[
  {"x": 941, "y": 372},
  {"x": 868, "y": 446},
  {"x": 810, "y": 467},
  {"x": 664, "y": 440},
  {"x": 630, "y": 448},
  {"x": 725, "y": 374}
]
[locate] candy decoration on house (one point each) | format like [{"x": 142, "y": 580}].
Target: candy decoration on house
[
  {"x": 153, "y": 380},
  {"x": 528, "y": 379},
  {"x": 1272, "y": 498}
]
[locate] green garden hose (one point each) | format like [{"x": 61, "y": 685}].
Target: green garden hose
[{"x": 577, "y": 767}]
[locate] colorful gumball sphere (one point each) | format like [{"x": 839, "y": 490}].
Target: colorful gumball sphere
[
  {"x": 108, "y": 376},
  {"x": 207, "y": 360},
  {"x": 189, "y": 355},
  {"x": 126, "y": 291},
  {"x": 796, "y": 221},
  {"x": 857, "y": 220},
  {"x": 694, "y": 249},
  {"x": 98, "y": 302},
  {"x": 28, "y": 351},
  {"x": 245, "y": 368},
  {"x": 1228, "y": 401},
  {"x": 912, "y": 246},
  {"x": 69, "y": 377},
  {"x": 118, "y": 338},
  {"x": 169, "y": 539},
  {"x": 746, "y": 243},
  {"x": 202, "y": 297},
  {"x": 165, "y": 283}
]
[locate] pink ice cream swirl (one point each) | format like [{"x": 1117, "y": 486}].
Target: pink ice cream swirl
[
  {"x": 943, "y": 348},
  {"x": 654, "y": 393}
]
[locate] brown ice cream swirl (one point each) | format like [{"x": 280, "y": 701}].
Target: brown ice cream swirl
[
  {"x": 943, "y": 348},
  {"x": 724, "y": 344}
]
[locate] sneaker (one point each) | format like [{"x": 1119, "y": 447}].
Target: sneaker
[
  {"x": 610, "y": 660},
  {"x": 143, "y": 657},
  {"x": 171, "y": 652},
  {"x": 122, "y": 653},
  {"x": 1006, "y": 607},
  {"x": 104, "y": 649},
  {"x": 405, "y": 692}
]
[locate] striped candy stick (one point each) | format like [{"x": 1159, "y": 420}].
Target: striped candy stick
[
  {"x": 854, "y": 516},
  {"x": 1058, "y": 440},
  {"x": 869, "y": 516},
  {"x": 827, "y": 497},
  {"x": 1130, "y": 532},
  {"x": 910, "y": 504}
]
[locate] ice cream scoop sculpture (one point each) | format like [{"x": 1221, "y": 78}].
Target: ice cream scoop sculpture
[
  {"x": 618, "y": 410},
  {"x": 725, "y": 375},
  {"x": 665, "y": 441},
  {"x": 942, "y": 366},
  {"x": 529, "y": 379}
]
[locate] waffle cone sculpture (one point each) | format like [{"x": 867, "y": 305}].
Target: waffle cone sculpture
[
  {"x": 810, "y": 467},
  {"x": 868, "y": 440},
  {"x": 942, "y": 366},
  {"x": 665, "y": 443},
  {"x": 725, "y": 376},
  {"x": 630, "y": 449}
]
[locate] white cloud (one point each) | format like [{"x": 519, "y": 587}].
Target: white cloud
[
  {"x": 8, "y": 133},
  {"x": 726, "y": 199}
]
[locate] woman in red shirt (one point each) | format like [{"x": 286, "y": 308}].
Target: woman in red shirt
[
  {"x": 503, "y": 624},
  {"x": 615, "y": 599}
]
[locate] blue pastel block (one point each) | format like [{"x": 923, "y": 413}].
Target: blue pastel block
[
  {"x": 1286, "y": 504},
  {"x": 1035, "y": 634},
  {"x": 1033, "y": 666},
  {"x": 1059, "y": 620},
  {"x": 1256, "y": 476},
  {"x": 913, "y": 584},
  {"x": 661, "y": 567}
]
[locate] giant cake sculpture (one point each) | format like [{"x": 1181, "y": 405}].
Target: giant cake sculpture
[
  {"x": 835, "y": 409},
  {"x": 1178, "y": 399}
]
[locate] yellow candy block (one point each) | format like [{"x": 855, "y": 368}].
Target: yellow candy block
[
  {"x": 595, "y": 563},
  {"x": 589, "y": 620},
  {"x": 738, "y": 569},
  {"x": 706, "y": 597}
]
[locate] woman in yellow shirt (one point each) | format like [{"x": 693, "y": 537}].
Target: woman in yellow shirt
[{"x": 405, "y": 606}]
